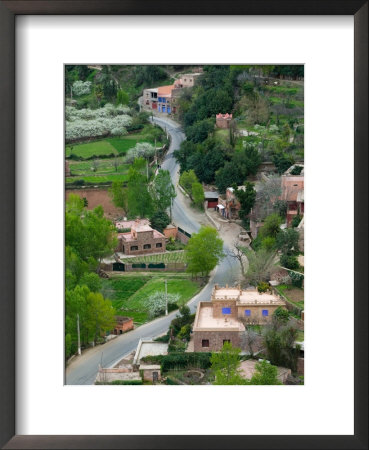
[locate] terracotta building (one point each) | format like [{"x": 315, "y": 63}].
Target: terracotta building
[
  {"x": 142, "y": 239},
  {"x": 222, "y": 319},
  {"x": 223, "y": 120},
  {"x": 123, "y": 324},
  {"x": 293, "y": 193}
]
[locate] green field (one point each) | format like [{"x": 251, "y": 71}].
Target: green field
[
  {"x": 128, "y": 294},
  {"x": 104, "y": 167},
  {"x": 108, "y": 146},
  {"x": 168, "y": 257},
  {"x": 96, "y": 148}
]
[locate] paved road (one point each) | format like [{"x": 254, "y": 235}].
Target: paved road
[{"x": 83, "y": 369}]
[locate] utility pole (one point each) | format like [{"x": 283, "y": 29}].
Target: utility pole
[
  {"x": 147, "y": 170},
  {"x": 166, "y": 298},
  {"x": 79, "y": 338}
]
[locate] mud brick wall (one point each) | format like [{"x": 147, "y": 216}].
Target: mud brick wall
[{"x": 216, "y": 339}]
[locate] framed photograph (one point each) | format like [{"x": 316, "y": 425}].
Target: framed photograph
[{"x": 155, "y": 231}]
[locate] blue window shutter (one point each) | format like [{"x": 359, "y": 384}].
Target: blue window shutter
[
  {"x": 226, "y": 310},
  {"x": 265, "y": 312},
  {"x": 247, "y": 312}
]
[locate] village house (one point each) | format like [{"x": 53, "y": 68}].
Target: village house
[
  {"x": 223, "y": 120},
  {"x": 293, "y": 193},
  {"x": 164, "y": 99},
  {"x": 228, "y": 205},
  {"x": 222, "y": 319},
  {"x": 122, "y": 324},
  {"x": 141, "y": 240}
]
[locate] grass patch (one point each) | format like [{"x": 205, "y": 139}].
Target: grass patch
[
  {"x": 96, "y": 148},
  {"x": 129, "y": 294},
  {"x": 293, "y": 294}
]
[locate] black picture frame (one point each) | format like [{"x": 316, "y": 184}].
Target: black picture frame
[{"x": 8, "y": 11}]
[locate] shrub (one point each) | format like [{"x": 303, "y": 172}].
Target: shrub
[
  {"x": 81, "y": 87},
  {"x": 295, "y": 221},
  {"x": 184, "y": 360},
  {"x": 268, "y": 243},
  {"x": 281, "y": 315},
  {"x": 185, "y": 332},
  {"x": 263, "y": 287},
  {"x": 297, "y": 279},
  {"x": 289, "y": 262},
  {"x": 296, "y": 170},
  {"x": 121, "y": 382}
]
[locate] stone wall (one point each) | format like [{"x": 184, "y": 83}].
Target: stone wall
[
  {"x": 216, "y": 339},
  {"x": 144, "y": 238},
  {"x": 182, "y": 237}
]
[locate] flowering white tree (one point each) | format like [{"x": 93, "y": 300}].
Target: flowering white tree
[
  {"x": 156, "y": 303},
  {"x": 89, "y": 123},
  {"x": 81, "y": 88},
  {"x": 141, "y": 150}
]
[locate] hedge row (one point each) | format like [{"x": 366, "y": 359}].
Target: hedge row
[
  {"x": 75, "y": 157},
  {"x": 121, "y": 382},
  {"x": 180, "y": 360}
]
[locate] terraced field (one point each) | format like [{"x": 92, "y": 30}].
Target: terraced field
[{"x": 167, "y": 257}]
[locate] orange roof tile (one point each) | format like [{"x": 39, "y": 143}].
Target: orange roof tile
[{"x": 165, "y": 90}]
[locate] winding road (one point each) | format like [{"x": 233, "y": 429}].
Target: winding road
[{"x": 83, "y": 369}]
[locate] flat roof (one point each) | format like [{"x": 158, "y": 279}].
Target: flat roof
[
  {"x": 205, "y": 320},
  {"x": 243, "y": 297},
  {"x": 211, "y": 194},
  {"x": 150, "y": 348}
]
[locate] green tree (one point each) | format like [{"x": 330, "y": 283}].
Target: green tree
[
  {"x": 265, "y": 374},
  {"x": 92, "y": 281},
  {"x": 122, "y": 97},
  {"x": 89, "y": 233},
  {"x": 203, "y": 251},
  {"x": 164, "y": 191},
  {"x": 100, "y": 315},
  {"x": 119, "y": 195},
  {"x": 268, "y": 243},
  {"x": 139, "y": 200},
  {"x": 199, "y": 131},
  {"x": 279, "y": 341},
  {"x": 225, "y": 366},
  {"x": 198, "y": 194},
  {"x": 282, "y": 161},
  {"x": 260, "y": 267},
  {"x": 289, "y": 262},
  {"x": 288, "y": 241},
  {"x": 159, "y": 220},
  {"x": 281, "y": 315},
  {"x": 246, "y": 197},
  {"x": 187, "y": 179},
  {"x": 271, "y": 226}
]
